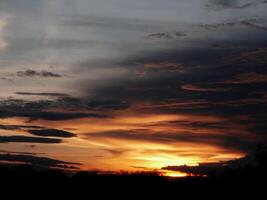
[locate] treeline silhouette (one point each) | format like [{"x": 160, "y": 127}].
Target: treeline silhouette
[{"x": 238, "y": 182}]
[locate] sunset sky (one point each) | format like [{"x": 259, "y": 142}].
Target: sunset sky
[{"x": 131, "y": 85}]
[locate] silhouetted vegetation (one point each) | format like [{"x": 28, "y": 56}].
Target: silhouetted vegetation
[{"x": 239, "y": 182}]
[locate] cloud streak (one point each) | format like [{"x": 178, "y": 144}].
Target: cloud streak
[
  {"x": 33, "y": 73},
  {"x": 52, "y": 133},
  {"x": 38, "y": 161},
  {"x": 25, "y": 139}
]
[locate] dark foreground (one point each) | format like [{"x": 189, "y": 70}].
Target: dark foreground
[{"x": 25, "y": 182}]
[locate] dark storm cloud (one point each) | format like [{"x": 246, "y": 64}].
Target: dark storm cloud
[
  {"x": 221, "y": 82},
  {"x": 37, "y": 161},
  {"x": 25, "y": 139},
  {"x": 52, "y": 133},
  {"x": 33, "y": 73},
  {"x": 200, "y": 66}
]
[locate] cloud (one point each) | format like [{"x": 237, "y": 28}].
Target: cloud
[
  {"x": 56, "y": 116},
  {"x": 34, "y": 110},
  {"x": 43, "y": 74},
  {"x": 228, "y": 4},
  {"x": 18, "y": 127},
  {"x": 253, "y": 23},
  {"x": 216, "y": 168},
  {"x": 16, "y": 152},
  {"x": 39, "y": 131},
  {"x": 25, "y": 139},
  {"x": 253, "y": 56},
  {"x": 231, "y": 140},
  {"x": 248, "y": 78},
  {"x": 165, "y": 36},
  {"x": 37, "y": 161},
  {"x": 42, "y": 94},
  {"x": 201, "y": 169},
  {"x": 106, "y": 104},
  {"x": 164, "y": 66},
  {"x": 194, "y": 88},
  {"x": 52, "y": 133}
]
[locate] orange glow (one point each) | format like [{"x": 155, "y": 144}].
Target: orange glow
[
  {"x": 174, "y": 174},
  {"x": 115, "y": 153}
]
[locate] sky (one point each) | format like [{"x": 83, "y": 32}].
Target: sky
[{"x": 131, "y": 85}]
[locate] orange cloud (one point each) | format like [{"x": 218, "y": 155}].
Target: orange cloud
[
  {"x": 194, "y": 88},
  {"x": 135, "y": 139},
  {"x": 248, "y": 78}
]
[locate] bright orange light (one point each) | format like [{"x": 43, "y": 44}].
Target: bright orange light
[{"x": 174, "y": 174}]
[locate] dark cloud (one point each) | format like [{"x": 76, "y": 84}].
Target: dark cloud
[
  {"x": 253, "y": 23},
  {"x": 250, "y": 160},
  {"x": 201, "y": 169},
  {"x": 18, "y": 127},
  {"x": 33, "y": 73},
  {"x": 195, "y": 88},
  {"x": 25, "y": 139},
  {"x": 202, "y": 84},
  {"x": 56, "y": 116},
  {"x": 37, "y": 161},
  {"x": 52, "y": 133},
  {"x": 106, "y": 104},
  {"x": 228, "y": 4},
  {"x": 7, "y": 79},
  {"x": 165, "y": 36},
  {"x": 248, "y": 78},
  {"x": 19, "y": 152},
  {"x": 42, "y": 94},
  {"x": 232, "y": 140},
  {"x": 35, "y": 109}
]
